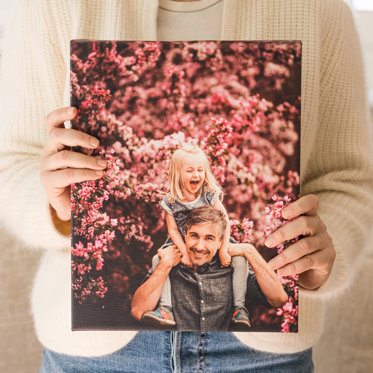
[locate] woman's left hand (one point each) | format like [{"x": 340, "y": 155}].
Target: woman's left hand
[{"x": 311, "y": 257}]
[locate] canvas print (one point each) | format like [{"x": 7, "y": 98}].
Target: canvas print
[{"x": 202, "y": 140}]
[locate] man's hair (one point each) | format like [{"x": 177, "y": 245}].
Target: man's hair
[{"x": 207, "y": 214}]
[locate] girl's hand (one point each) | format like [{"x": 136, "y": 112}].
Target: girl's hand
[
  {"x": 224, "y": 257},
  {"x": 60, "y": 167},
  {"x": 312, "y": 256},
  {"x": 185, "y": 259}
]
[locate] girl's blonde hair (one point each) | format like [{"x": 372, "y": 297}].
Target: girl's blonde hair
[{"x": 174, "y": 175}]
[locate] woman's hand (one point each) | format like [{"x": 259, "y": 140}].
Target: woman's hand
[
  {"x": 313, "y": 255},
  {"x": 61, "y": 167}
]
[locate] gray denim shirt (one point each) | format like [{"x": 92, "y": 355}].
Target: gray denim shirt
[{"x": 203, "y": 300}]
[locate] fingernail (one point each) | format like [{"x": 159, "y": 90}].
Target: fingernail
[
  {"x": 269, "y": 242},
  {"x": 71, "y": 111},
  {"x": 94, "y": 142},
  {"x": 272, "y": 264},
  {"x": 99, "y": 173},
  {"x": 101, "y": 162},
  {"x": 284, "y": 212}
]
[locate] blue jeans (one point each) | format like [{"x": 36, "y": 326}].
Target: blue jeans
[{"x": 183, "y": 352}]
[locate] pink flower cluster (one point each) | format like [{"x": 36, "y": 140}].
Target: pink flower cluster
[
  {"x": 94, "y": 289},
  {"x": 216, "y": 144},
  {"x": 96, "y": 99},
  {"x": 242, "y": 231}
]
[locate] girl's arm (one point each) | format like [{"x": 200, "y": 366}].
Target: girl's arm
[
  {"x": 225, "y": 258},
  {"x": 176, "y": 238},
  {"x": 219, "y": 206}
]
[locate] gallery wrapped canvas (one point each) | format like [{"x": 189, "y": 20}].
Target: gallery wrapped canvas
[{"x": 182, "y": 126}]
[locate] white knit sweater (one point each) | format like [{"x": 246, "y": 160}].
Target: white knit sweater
[{"x": 335, "y": 155}]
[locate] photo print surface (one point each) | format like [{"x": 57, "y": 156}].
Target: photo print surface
[{"x": 201, "y": 140}]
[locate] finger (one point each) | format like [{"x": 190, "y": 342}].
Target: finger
[
  {"x": 62, "y": 205},
  {"x": 303, "y": 225},
  {"x": 69, "y": 159},
  {"x": 57, "y": 117},
  {"x": 62, "y": 137},
  {"x": 314, "y": 278},
  {"x": 306, "y": 205},
  {"x": 68, "y": 176},
  {"x": 299, "y": 249},
  {"x": 312, "y": 261}
]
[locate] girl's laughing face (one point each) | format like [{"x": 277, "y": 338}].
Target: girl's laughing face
[{"x": 193, "y": 173}]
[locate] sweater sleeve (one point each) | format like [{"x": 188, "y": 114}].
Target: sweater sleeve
[
  {"x": 340, "y": 171},
  {"x": 33, "y": 78}
]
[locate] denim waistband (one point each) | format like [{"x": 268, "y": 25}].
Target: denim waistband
[{"x": 181, "y": 352}]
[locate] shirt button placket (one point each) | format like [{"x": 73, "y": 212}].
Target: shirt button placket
[{"x": 202, "y": 302}]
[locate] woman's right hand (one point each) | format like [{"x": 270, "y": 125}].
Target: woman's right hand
[{"x": 60, "y": 167}]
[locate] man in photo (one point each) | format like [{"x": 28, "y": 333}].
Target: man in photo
[{"x": 202, "y": 294}]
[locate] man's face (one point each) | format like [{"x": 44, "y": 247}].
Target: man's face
[{"x": 202, "y": 242}]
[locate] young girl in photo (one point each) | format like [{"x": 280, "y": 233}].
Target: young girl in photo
[{"x": 192, "y": 185}]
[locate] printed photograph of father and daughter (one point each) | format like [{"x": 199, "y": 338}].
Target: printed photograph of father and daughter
[{"x": 202, "y": 140}]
